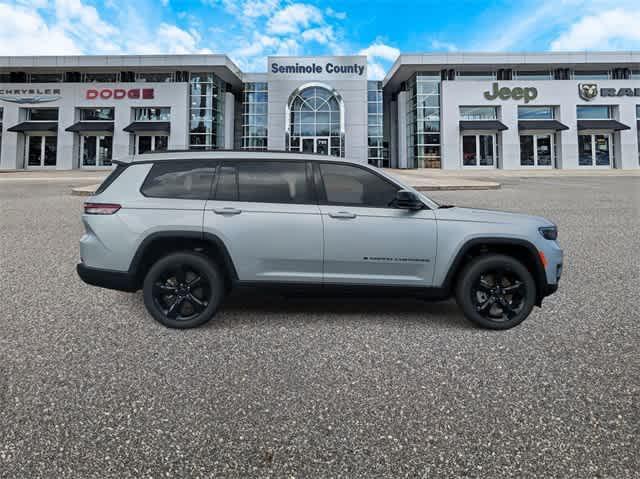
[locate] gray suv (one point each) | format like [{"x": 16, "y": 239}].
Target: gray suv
[{"x": 187, "y": 227}]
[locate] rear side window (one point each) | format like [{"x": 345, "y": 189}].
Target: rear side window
[
  {"x": 350, "y": 185},
  {"x": 119, "y": 169},
  {"x": 264, "y": 182},
  {"x": 188, "y": 180}
]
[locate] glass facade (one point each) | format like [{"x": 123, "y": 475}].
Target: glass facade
[
  {"x": 255, "y": 98},
  {"x": 478, "y": 113},
  {"x": 423, "y": 120},
  {"x": 376, "y": 152},
  {"x": 96, "y": 114},
  {"x": 536, "y": 112},
  {"x": 206, "y": 111},
  {"x": 594, "y": 112}
]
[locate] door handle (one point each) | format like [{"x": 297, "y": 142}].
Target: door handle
[
  {"x": 227, "y": 211},
  {"x": 343, "y": 215}
]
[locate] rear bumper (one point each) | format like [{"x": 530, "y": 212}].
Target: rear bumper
[{"x": 118, "y": 280}]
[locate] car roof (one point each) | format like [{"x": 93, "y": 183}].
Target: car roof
[{"x": 229, "y": 154}]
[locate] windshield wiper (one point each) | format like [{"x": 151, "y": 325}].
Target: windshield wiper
[{"x": 446, "y": 206}]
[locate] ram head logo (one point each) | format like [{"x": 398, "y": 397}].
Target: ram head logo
[{"x": 588, "y": 91}]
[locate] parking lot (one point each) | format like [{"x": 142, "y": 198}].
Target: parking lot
[{"x": 90, "y": 385}]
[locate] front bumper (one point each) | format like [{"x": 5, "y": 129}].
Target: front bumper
[{"x": 118, "y": 280}]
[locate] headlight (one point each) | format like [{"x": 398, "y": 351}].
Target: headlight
[{"x": 549, "y": 232}]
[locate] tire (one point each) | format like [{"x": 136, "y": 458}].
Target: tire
[
  {"x": 183, "y": 290},
  {"x": 496, "y": 291}
]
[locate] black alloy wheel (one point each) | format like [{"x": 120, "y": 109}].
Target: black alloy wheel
[
  {"x": 183, "y": 290},
  {"x": 496, "y": 291}
]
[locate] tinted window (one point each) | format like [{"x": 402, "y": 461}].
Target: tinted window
[
  {"x": 350, "y": 185},
  {"x": 189, "y": 180},
  {"x": 264, "y": 182}
]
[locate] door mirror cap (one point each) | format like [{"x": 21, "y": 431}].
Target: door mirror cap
[{"x": 408, "y": 200}]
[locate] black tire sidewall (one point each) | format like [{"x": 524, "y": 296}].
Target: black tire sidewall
[
  {"x": 205, "y": 266},
  {"x": 478, "y": 266}
]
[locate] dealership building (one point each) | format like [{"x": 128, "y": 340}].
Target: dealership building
[{"x": 449, "y": 111}]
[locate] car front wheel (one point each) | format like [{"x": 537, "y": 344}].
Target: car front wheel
[
  {"x": 496, "y": 291},
  {"x": 183, "y": 290}
]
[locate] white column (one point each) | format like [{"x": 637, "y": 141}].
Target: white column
[
  {"x": 510, "y": 151},
  {"x": 568, "y": 144},
  {"x": 402, "y": 130},
  {"x": 67, "y": 155},
  {"x": 393, "y": 133},
  {"x": 627, "y": 151},
  {"x": 229, "y": 120},
  {"x": 12, "y": 154}
]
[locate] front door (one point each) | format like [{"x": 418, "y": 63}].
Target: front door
[
  {"x": 479, "y": 150},
  {"x": 315, "y": 145},
  {"x": 595, "y": 150},
  {"x": 537, "y": 150},
  {"x": 41, "y": 151},
  {"x": 367, "y": 241}
]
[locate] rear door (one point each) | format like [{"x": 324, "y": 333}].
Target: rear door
[
  {"x": 366, "y": 239},
  {"x": 266, "y": 214}
]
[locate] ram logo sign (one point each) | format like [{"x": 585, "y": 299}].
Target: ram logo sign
[{"x": 587, "y": 91}]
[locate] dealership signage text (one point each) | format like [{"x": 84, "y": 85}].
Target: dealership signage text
[
  {"x": 120, "y": 93},
  {"x": 517, "y": 93},
  {"x": 316, "y": 69}
]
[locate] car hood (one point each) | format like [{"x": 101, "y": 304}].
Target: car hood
[{"x": 489, "y": 216}]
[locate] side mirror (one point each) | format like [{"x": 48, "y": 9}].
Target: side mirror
[{"x": 407, "y": 200}]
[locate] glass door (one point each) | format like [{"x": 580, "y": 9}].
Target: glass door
[
  {"x": 595, "y": 150},
  {"x": 322, "y": 146},
  {"x": 41, "y": 151},
  {"x": 536, "y": 150},
  {"x": 308, "y": 145},
  {"x": 479, "y": 150},
  {"x": 96, "y": 150},
  {"x": 148, "y": 143}
]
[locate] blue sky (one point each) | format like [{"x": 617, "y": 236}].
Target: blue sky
[{"x": 250, "y": 30}]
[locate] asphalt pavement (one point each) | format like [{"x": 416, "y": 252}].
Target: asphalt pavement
[{"x": 91, "y": 386}]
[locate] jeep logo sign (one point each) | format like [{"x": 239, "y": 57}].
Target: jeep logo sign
[{"x": 517, "y": 93}]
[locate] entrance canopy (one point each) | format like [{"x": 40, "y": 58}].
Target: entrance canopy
[
  {"x": 28, "y": 126},
  {"x": 554, "y": 125},
  {"x": 83, "y": 126},
  {"x": 602, "y": 125},
  {"x": 159, "y": 126},
  {"x": 488, "y": 125}
]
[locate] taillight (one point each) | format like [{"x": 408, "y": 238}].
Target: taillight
[{"x": 100, "y": 208}]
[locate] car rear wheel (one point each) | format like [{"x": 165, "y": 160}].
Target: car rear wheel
[
  {"x": 496, "y": 291},
  {"x": 183, "y": 290}
]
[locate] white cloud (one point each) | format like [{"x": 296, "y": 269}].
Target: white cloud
[
  {"x": 293, "y": 18},
  {"x": 322, "y": 35},
  {"x": 332, "y": 13},
  {"x": 24, "y": 32},
  {"x": 443, "y": 46},
  {"x": 612, "y": 29},
  {"x": 259, "y": 8},
  {"x": 379, "y": 55}
]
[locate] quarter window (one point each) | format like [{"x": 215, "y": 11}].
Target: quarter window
[
  {"x": 350, "y": 185},
  {"x": 264, "y": 182},
  {"x": 189, "y": 180}
]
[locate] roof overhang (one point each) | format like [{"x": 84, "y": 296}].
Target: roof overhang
[
  {"x": 483, "y": 125},
  {"x": 613, "y": 125},
  {"x": 91, "y": 126},
  {"x": 27, "y": 126},
  {"x": 137, "y": 126},
  {"x": 541, "y": 125}
]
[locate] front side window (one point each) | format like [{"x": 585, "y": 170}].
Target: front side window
[
  {"x": 350, "y": 185},
  {"x": 264, "y": 182},
  {"x": 96, "y": 114},
  {"x": 594, "y": 112},
  {"x": 478, "y": 112},
  {"x": 188, "y": 180}
]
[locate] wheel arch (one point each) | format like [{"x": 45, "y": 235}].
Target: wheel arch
[
  {"x": 522, "y": 250},
  {"x": 159, "y": 244}
]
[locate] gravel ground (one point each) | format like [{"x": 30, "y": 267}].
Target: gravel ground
[{"x": 91, "y": 386}]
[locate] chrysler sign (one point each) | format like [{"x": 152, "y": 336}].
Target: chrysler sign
[
  {"x": 120, "y": 94},
  {"x": 29, "y": 95}
]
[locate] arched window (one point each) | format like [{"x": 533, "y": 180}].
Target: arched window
[{"x": 315, "y": 121}]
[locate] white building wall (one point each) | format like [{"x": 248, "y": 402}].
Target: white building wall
[
  {"x": 563, "y": 94},
  {"x": 74, "y": 96}
]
